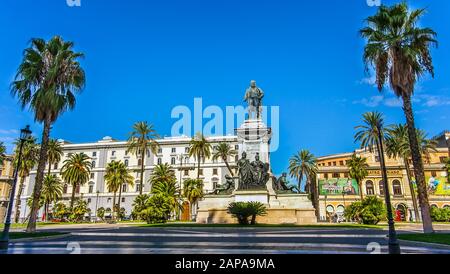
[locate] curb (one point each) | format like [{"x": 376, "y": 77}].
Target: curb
[
  {"x": 425, "y": 244},
  {"x": 54, "y": 237}
]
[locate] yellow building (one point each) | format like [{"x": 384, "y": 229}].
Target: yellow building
[
  {"x": 6, "y": 178},
  {"x": 337, "y": 190}
]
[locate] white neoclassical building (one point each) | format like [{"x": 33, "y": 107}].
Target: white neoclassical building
[{"x": 173, "y": 150}]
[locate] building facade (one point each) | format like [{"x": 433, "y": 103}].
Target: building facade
[
  {"x": 6, "y": 178},
  {"x": 337, "y": 190},
  {"x": 173, "y": 151}
]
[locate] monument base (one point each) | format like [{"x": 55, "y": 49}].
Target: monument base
[
  {"x": 279, "y": 216},
  {"x": 294, "y": 209}
]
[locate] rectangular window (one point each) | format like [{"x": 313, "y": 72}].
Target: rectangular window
[
  {"x": 215, "y": 171},
  {"x": 433, "y": 174},
  {"x": 186, "y": 150},
  {"x": 138, "y": 187},
  {"x": 55, "y": 166},
  {"x": 326, "y": 175},
  {"x": 92, "y": 175},
  {"x": 159, "y": 150},
  {"x": 174, "y": 150},
  {"x": 335, "y": 175},
  {"x": 186, "y": 172},
  {"x": 159, "y": 161},
  {"x": 334, "y": 163},
  {"x": 200, "y": 171},
  {"x": 91, "y": 188},
  {"x": 113, "y": 153},
  {"x": 94, "y": 154},
  {"x": 346, "y": 175},
  {"x": 329, "y": 163},
  {"x": 123, "y": 200},
  {"x": 236, "y": 147},
  {"x": 341, "y": 163}
]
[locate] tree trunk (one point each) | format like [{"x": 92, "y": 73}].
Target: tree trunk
[
  {"x": 413, "y": 193},
  {"x": 142, "y": 170},
  {"x": 198, "y": 169},
  {"x": 394, "y": 247},
  {"x": 361, "y": 195},
  {"x": 114, "y": 206},
  {"x": 228, "y": 166},
  {"x": 17, "y": 205},
  {"x": 118, "y": 202},
  {"x": 31, "y": 227},
  {"x": 49, "y": 168},
  {"x": 72, "y": 199},
  {"x": 418, "y": 165},
  {"x": 46, "y": 211}
]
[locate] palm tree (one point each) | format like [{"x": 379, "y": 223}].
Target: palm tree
[
  {"x": 372, "y": 135},
  {"x": 162, "y": 173},
  {"x": 397, "y": 145},
  {"x": 139, "y": 204},
  {"x": 142, "y": 140},
  {"x": 200, "y": 148},
  {"x": 2, "y": 152},
  {"x": 76, "y": 171},
  {"x": 116, "y": 176},
  {"x": 51, "y": 191},
  {"x": 30, "y": 154},
  {"x": 223, "y": 151},
  {"x": 399, "y": 49},
  {"x": 54, "y": 153},
  {"x": 172, "y": 191},
  {"x": 47, "y": 81},
  {"x": 358, "y": 170},
  {"x": 193, "y": 191},
  {"x": 303, "y": 165}
]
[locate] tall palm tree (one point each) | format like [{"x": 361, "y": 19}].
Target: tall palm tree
[
  {"x": 47, "y": 81},
  {"x": 397, "y": 145},
  {"x": 142, "y": 140},
  {"x": 303, "y": 165},
  {"x": 54, "y": 153},
  {"x": 51, "y": 191},
  {"x": 116, "y": 176},
  {"x": 200, "y": 148},
  {"x": 358, "y": 170},
  {"x": 2, "y": 152},
  {"x": 223, "y": 151},
  {"x": 372, "y": 135},
  {"x": 30, "y": 154},
  {"x": 193, "y": 192},
  {"x": 76, "y": 171},
  {"x": 399, "y": 50}
]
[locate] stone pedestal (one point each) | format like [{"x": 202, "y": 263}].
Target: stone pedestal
[
  {"x": 261, "y": 196},
  {"x": 254, "y": 137}
]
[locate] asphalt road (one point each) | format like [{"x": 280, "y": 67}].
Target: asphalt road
[{"x": 152, "y": 240}]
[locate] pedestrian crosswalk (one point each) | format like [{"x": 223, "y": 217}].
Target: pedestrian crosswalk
[{"x": 171, "y": 241}]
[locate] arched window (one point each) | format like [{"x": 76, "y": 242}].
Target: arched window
[
  {"x": 397, "y": 187},
  {"x": 173, "y": 161},
  {"x": 330, "y": 209},
  {"x": 381, "y": 184},
  {"x": 369, "y": 188},
  {"x": 159, "y": 161},
  {"x": 126, "y": 162},
  {"x": 91, "y": 187},
  {"x": 340, "y": 209}
]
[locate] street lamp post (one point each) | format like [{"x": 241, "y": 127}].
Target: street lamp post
[{"x": 4, "y": 242}]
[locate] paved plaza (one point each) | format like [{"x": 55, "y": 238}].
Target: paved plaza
[{"x": 126, "y": 239}]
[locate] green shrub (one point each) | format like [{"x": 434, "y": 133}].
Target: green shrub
[
  {"x": 101, "y": 213},
  {"x": 369, "y": 211},
  {"x": 440, "y": 214},
  {"x": 243, "y": 210},
  {"x": 157, "y": 209}
]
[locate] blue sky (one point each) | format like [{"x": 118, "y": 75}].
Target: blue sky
[{"x": 145, "y": 57}]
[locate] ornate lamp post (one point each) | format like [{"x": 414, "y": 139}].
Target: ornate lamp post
[{"x": 4, "y": 242}]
